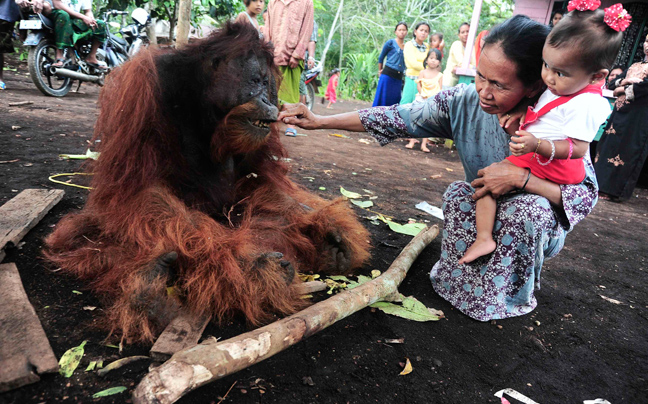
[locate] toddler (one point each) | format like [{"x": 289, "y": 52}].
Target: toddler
[
  {"x": 331, "y": 89},
  {"x": 437, "y": 42},
  {"x": 429, "y": 83},
  {"x": 576, "y": 58}
]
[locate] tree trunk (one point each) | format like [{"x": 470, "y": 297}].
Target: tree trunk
[
  {"x": 184, "y": 23},
  {"x": 212, "y": 360},
  {"x": 341, "y": 41},
  {"x": 331, "y": 32}
]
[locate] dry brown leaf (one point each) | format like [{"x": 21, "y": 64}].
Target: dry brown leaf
[{"x": 408, "y": 368}]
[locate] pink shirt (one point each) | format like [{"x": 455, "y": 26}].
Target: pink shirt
[{"x": 289, "y": 26}]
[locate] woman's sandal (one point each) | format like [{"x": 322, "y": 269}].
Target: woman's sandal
[{"x": 607, "y": 197}]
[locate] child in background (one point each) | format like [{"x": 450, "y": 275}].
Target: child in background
[
  {"x": 437, "y": 42},
  {"x": 576, "y": 58},
  {"x": 429, "y": 83},
  {"x": 331, "y": 94},
  {"x": 252, "y": 10}
]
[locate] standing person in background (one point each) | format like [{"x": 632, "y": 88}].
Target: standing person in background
[
  {"x": 262, "y": 29},
  {"x": 556, "y": 17},
  {"x": 391, "y": 72},
  {"x": 429, "y": 83},
  {"x": 310, "y": 63},
  {"x": 331, "y": 89},
  {"x": 614, "y": 73},
  {"x": 623, "y": 148},
  {"x": 415, "y": 52},
  {"x": 437, "y": 42},
  {"x": 9, "y": 14},
  {"x": 289, "y": 26},
  {"x": 455, "y": 58},
  {"x": 252, "y": 10}
]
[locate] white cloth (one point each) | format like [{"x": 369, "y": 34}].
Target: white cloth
[
  {"x": 579, "y": 118},
  {"x": 78, "y": 6}
]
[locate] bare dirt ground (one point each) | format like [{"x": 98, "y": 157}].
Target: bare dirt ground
[{"x": 575, "y": 346}]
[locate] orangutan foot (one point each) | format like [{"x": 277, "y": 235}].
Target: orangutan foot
[
  {"x": 338, "y": 254},
  {"x": 478, "y": 249}
]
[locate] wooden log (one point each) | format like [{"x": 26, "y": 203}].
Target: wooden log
[
  {"x": 309, "y": 287},
  {"x": 212, "y": 360},
  {"x": 23, "y": 212},
  {"x": 183, "y": 332},
  {"x": 25, "y": 351}
]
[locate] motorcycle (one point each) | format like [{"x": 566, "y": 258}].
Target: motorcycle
[
  {"x": 135, "y": 34},
  {"x": 57, "y": 81},
  {"x": 312, "y": 83}
]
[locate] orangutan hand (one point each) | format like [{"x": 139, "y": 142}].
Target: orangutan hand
[
  {"x": 498, "y": 179},
  {"x": 270, "y": 260}
]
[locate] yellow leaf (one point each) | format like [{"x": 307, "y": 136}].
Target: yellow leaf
[
  {"x": 408, "y": 368},
  {"x": 375, "y": 273},
  {"x": 308, "y": 278}
]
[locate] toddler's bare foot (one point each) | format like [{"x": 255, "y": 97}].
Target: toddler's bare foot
[
  {"x": 411, "y": 144},
  {"x": 478, "y": 249},
  {"x": 425, "y": 149}
]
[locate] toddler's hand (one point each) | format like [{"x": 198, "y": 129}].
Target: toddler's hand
[{"x": 522, "y": 143}]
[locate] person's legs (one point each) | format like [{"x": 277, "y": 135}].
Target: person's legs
[
  {"x": 289, "y": 90},
  {"x": 98, "y": 38},
  {"x": 6, "y": 46},
  {"x": 424, "y": 143},
  {"x": 485, "y": 220},
  {"x": 63, "y": 33}
]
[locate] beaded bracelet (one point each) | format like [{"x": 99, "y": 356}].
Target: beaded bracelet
[{"x": 553, "y": 153}]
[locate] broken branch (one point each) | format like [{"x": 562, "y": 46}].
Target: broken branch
[{"x": 212, "y": 360}]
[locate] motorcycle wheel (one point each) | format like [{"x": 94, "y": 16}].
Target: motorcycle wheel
[
  {"x": 39, "y": 60},
  {"x": 310, "y": 95}
]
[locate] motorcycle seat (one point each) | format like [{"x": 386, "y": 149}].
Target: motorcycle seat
[
  {"x": 119, "y": 40},
  {"x": 46, "y": 22}
]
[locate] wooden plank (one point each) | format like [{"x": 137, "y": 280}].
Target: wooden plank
[
  {"x": 23, "y": 212},
  {"x": 183, "y": 332},
  {"x": 25, "y": 351}
]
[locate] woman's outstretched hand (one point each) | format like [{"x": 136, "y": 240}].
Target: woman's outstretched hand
[
  {"x": 298, "y": 115},
  {"x": 497, "y": 179}
]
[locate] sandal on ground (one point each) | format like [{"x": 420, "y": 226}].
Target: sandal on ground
[
  {"x": 607, "y": 197},
  {"x": 3, "y": 86},
  {"x": 292, "y": 132}
]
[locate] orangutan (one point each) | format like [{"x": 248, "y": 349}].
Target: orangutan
[{"x": 191, "y": 191}]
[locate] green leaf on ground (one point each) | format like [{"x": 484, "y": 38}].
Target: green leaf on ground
[
  {"x": 91, "y": 366},
  {"x": 76, "y": 292},
  {"x": 410, "y": 309},
  {"x": 349, "y": 194},
  {"x": 362, "y": 204},
  {"x": 322, "y": 188},
  {"x": 70, "y": 360},
  {"x": 110, "y": 391}
]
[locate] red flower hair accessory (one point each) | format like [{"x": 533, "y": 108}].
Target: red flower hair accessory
[
  {"x": 617, "y": 18},
  {"x": 583, "y": 5}
]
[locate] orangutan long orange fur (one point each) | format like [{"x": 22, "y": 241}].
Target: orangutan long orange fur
[{"x": 135, "y": 214}]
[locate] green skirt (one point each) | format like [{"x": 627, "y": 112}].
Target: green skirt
[
  {"x": 409, "y": 91},
  {"x": 67, "y": 30},
  {"x": 289, "y": 90}
]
